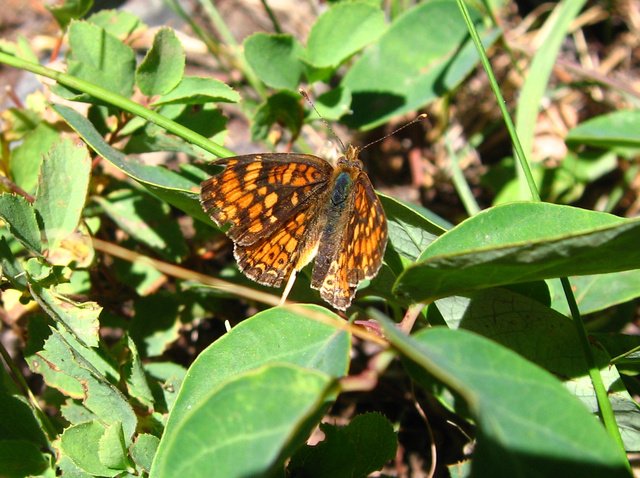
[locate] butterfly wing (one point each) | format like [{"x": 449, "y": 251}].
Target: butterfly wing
[
  {"x": 272, "y": 202},
  {"x": 258, "y": 193},
  {"x": 358, "y": 253}
]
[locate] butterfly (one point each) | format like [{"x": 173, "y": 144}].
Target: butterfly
[{"x": 287, "y": 208}]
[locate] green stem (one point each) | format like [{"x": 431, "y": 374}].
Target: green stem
[
  {"x": 460, "y": 182},
  {"x": 606, "y": 411},
  {"x": 120, "y": 102},
  {"x": 272, "y": 16},
  {"x": 601, "y": 393}
]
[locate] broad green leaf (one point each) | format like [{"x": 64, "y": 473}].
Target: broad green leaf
[
  {"x": 75, "y": 413},
  {"x": 409, "y": 232},
  {"x": 521, "y": 242},
  {"x": 422, "y": 56},
  {"x": 100, "y": 58},
  {"x": 273, "y": 335},
  {"x": 597, "y": 292},
  {"x": 275, "y": 59},
  {"x": 162, "y": 67},
  {"x": 613, "y": 130},
  {"x": 27, "y": 157},
  {"x": 62, "y": 190},
  {"x": 526, "y": 419},
  {"x": 195, "y": 90},
  {"x": 21, "y": 221},
  {"x": 81, "y": 443},
  {"x": 357, "y": 449},
  {"x": 549, "y": 340},
  {"x": 333, "y": 104},
  {"x": 147, "y": 220},
  {"x": 246, "y": 426},
  {"x": 343, "y": 30},
  {"x": 176, "y": 189},
  {"x": 21, "y": 458}
]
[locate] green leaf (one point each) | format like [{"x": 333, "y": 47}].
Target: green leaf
[
  {"x": 80, "y": 318},
  {"x": 245, "y": 426},
  {"x": 62, "y": 190},
  {"x": 167, "y": 185},
  {"x": 206, "y": 120},
  {"x": 156, "y": 323},
  {"x": 547, "y": 339},
  {"x": 355, "y": 450},
  {"x": 162, "y": 67},
  {"x": 147, "y": 220},
  {"x": 70, "y": 10},
  {"x": 101, "y": 59},
  {"x": 81, "y": 443},
  {"x": 422, "y": 56},
  {"x": 119, "y": 23},
  {"x": 526, "y": 419},
  {"x": 273, "y": 335},
  {"x": 409, "y": 231},
  {"x": 521, "y": 242},
  {"x": 111, "y": 450},
  {"x": 612, "y": 130},
  {"x": 143, "y": 450},
  {"x": 27, "y": 157},
  {"x": 18, "y": 421},
  {"x": 283, "y": 108},
  {"x": 343, "y": 30},
  {"x": 135, "y": 377},
  {"x": 597, "y": 292},
  {"x": 195, "y": 90},
  {"x": 72, "y": 365},
  {"x": 20, "y": 219},
  {"x": 20, "y": 458},
  {"x": 166, "y": 379},
  {"x": 333, "y": 104},
  {"x": 275, "y": 59}
]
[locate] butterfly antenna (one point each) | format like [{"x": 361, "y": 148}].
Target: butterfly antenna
[
  {"x": 304, "y": 93},
  {"x": 416, "y": 120}
]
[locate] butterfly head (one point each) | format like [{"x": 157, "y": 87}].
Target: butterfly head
[{"x": 350, "y": 158}]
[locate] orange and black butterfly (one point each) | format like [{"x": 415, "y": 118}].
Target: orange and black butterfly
[{"x": 286, "y": 208}]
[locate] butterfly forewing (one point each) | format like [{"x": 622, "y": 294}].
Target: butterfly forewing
[{"x": 257, "y": 193}]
